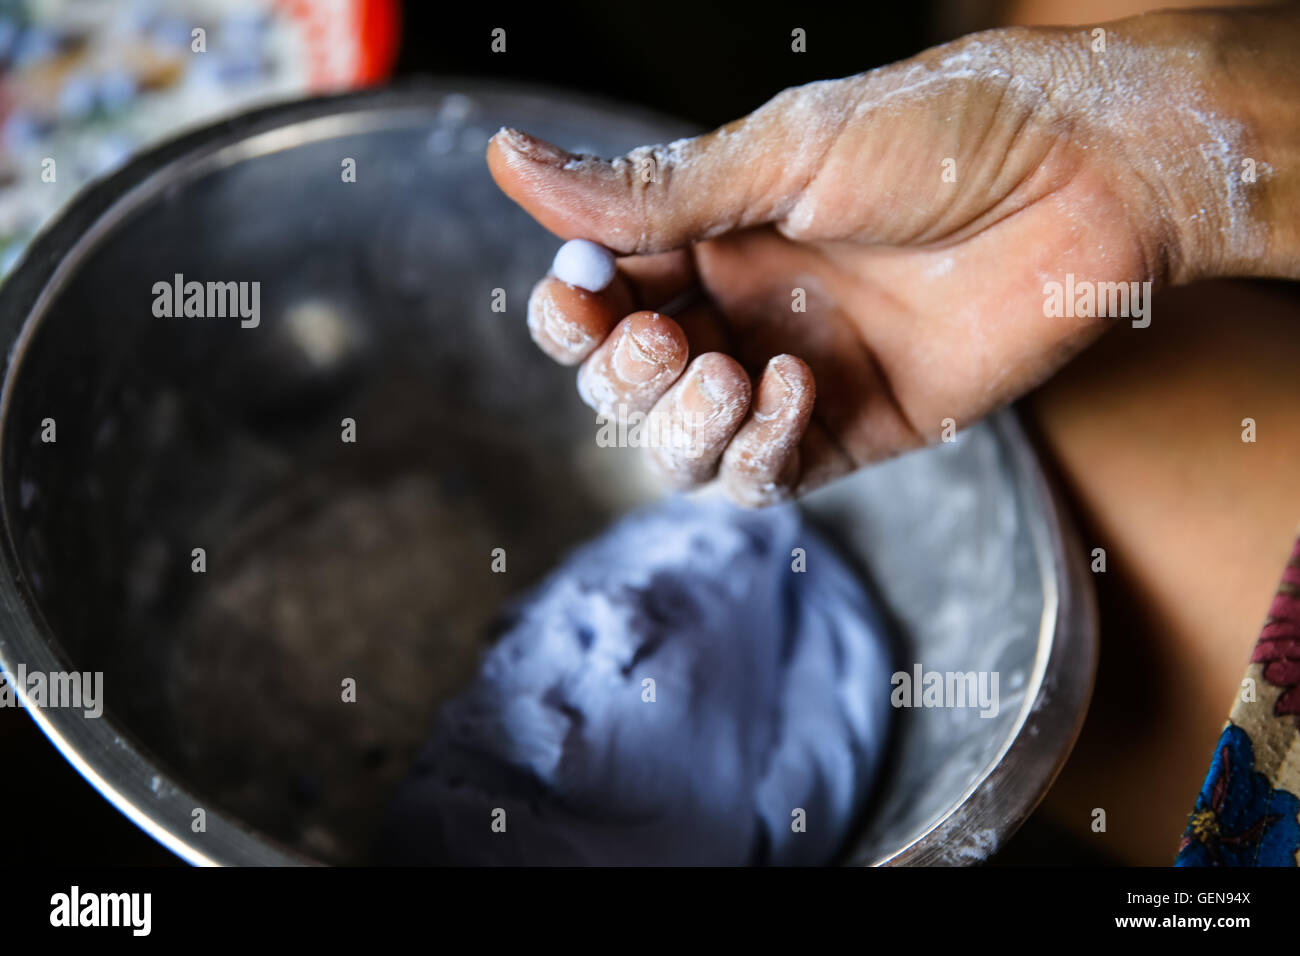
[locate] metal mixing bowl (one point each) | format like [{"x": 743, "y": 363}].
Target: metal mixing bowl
[{"x": 368, "y": 559}]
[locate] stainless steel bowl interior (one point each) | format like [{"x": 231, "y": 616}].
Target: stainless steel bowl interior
[{"x": 328, "y": 558}]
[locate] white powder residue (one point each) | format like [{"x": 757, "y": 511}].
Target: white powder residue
[
  {"x": 601, "y": 386},
  {"x": 1133, "y": 90},
  {"x": 545, "y": 316}
]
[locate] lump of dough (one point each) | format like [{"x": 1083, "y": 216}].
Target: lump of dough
[
  {"x": 585, "y": 264},
  {"x": 674, "y": 693}
]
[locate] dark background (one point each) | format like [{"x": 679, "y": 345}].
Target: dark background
[
  {"x": 707, "y": 63},
  {"x": 701, "y": 61}
]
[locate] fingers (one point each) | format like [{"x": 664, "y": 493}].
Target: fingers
[
  {"x": 762, "y": 463},
  {"x": 696, "y": 418},
  {"x": 566, "y": 322},
  {"x": 779, "y": 453},
  {"x": 635, "y": 365},
  {"x": 657, "y": 198}
]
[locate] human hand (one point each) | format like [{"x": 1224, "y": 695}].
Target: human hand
[{"x": 924, "y": 297}]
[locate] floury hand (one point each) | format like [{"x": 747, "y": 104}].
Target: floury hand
[{"x": 876, "y": 256}]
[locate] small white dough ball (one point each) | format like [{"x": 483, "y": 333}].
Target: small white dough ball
[{"x": 585, "y": 264}]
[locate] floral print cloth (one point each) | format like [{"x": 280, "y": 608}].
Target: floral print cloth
[{"x": 1248, "y": 810}]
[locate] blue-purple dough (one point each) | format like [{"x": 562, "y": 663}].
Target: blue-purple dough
[{"x": 771, "y": 694}]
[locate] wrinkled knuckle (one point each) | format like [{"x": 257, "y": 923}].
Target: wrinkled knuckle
[{"x": 646, "y": 172}]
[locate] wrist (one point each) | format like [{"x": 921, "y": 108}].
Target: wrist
[
  {"x": 1261, "y": 90},
  {"x": 1214, "y": 138}
]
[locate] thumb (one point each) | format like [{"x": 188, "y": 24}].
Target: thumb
[{"x": 657, "y": 198}]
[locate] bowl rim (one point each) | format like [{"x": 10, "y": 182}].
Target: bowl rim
[{"x": 1040, "y": 741}]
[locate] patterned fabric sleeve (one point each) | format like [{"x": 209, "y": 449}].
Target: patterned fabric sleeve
[{"x": 1248, "y": 810}]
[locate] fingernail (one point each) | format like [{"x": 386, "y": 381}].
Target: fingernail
[
  {"x": 544, "y": 315},
  {"x": 535, "y": 149},
  {"x": 634, "y": 361},
  {"x": 703, "y": 395},
  {"x": 773, "y": 396}
]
